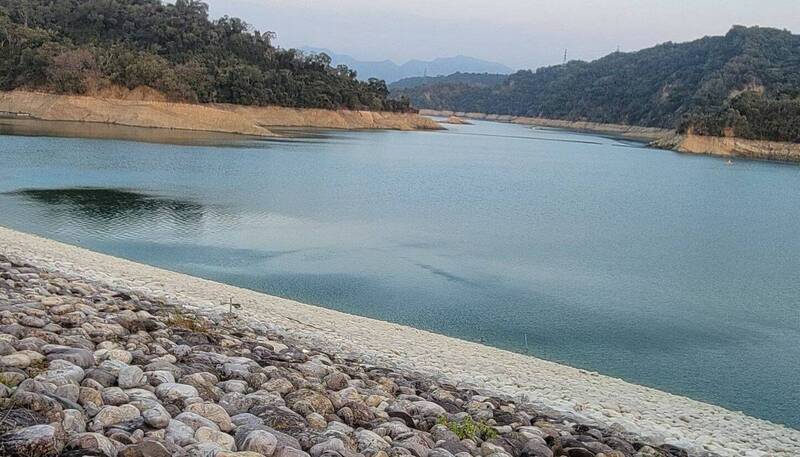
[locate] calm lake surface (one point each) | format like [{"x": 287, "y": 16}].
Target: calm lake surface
[{"x": 673, "y": 271}]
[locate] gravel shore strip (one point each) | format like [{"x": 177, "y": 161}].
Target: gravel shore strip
[{"x": 590, "y": 398}]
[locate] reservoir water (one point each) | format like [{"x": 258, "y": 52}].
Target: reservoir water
[{"x": 673, "y": 271}]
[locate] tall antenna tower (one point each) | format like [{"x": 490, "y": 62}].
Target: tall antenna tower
[{"x": 565, "y": 55}]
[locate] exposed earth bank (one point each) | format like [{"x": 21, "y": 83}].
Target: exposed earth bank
[
  {"x": 149, "y": 112},
  {"x": 659, "y": 138},
  {"x": 731, "y": 147},
  {"x": 102, "y": 353}
]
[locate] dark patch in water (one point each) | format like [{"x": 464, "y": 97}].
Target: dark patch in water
[
  {"x": 446, "y": 275},
  {"x": 108, "y": 203}
]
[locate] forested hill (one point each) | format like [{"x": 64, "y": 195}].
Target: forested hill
[
  {"x": 746, "y": 83},
  {"x": 84, "y": 46}
]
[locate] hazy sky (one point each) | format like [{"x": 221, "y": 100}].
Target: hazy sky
[{"x": 518, "y": 33}]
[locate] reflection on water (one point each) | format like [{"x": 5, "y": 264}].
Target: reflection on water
[
  {"x": 306, "y": 134},
  {"x": 97, "y": 130},
  {"x": 68, "y": 129},
  {"x": 113, "y": 203},
  {"x": 113, "y": 214}
]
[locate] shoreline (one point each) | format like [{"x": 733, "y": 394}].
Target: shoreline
[
  {"x": 595, "y": 398},
  {"x": 645, "y": 134},
  {"x": 731, "y": 147},
  {"x": 215, "y": 118}
]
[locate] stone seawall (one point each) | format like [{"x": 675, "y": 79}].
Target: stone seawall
[{"x": 577, "y": 396}]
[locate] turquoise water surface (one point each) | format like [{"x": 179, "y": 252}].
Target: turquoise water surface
[{"x": 677, "y": 272}]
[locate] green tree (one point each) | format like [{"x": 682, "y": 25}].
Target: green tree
[{"x": 69, "y": 46}]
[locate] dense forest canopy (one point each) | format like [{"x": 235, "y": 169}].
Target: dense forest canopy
[
  {"x": 745, "y": 83},
  {"x": 82, "y": 46}
]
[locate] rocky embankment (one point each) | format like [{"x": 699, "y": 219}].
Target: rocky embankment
[
  {"x": 154, "y": 113},
  {"x": 90, "y": 371},
  {"x": 116, "y": 305}
]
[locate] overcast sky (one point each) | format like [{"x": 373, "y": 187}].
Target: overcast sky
[{"x": 518, "y": 33}]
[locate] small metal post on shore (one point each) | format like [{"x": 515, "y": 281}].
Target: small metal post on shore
[{"x": 232, "y": 305}]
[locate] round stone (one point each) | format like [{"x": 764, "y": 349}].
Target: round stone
[
  {"x": 130, "y": 377},
  {"x": 260, "y": 441}
]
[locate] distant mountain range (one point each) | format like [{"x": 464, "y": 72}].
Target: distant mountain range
[
  {"x": 390, "y": 71},
  {"x": 466, "y": 79}
]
